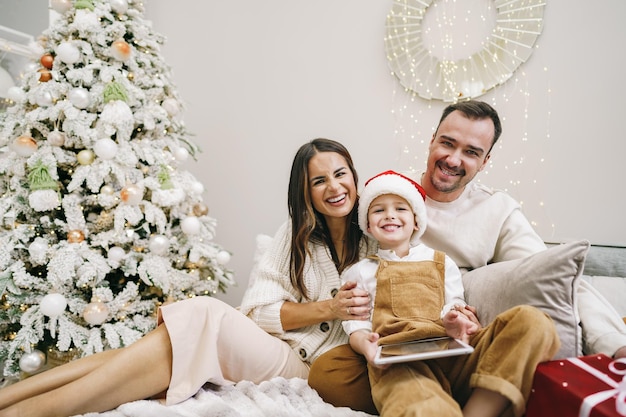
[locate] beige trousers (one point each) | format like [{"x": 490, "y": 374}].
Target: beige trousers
[
  {"x": 214, "y": 342},
  {"x": 504, "y": 360}
]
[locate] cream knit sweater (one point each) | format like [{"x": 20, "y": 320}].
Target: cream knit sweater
[{"x": 271, "y": 286}]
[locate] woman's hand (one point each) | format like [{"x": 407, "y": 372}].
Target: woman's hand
[{"x": 351, "y": 303}]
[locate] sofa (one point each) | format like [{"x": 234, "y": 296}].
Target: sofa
[
  {"x": 554, "y": 274},
  {"x": 605, "y": 269}
]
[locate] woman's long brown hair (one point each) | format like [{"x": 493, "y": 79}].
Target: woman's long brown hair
[{"x": 309, "y": 225}]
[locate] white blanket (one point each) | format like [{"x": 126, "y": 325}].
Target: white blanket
[{"x": 275, "y": 398}]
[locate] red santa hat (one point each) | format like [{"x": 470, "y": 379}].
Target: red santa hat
[{"x": 391, "y": 182}]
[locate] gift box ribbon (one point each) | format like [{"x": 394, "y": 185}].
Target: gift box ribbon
[{"x": 619, "y": 388}]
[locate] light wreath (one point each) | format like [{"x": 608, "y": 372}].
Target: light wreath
[{"x": 518, "y": 24}]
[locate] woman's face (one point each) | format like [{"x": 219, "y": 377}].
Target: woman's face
[{"x": 333, "y": 191}]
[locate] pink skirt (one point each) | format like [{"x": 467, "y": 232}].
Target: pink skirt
[{"x": 214, "y": 342}]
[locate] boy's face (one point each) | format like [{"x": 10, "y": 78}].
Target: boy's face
[{"x": 391, "y": 221}]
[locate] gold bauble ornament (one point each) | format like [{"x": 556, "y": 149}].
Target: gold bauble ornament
[
  {"x": 121, "y": 50},
  {"x": 24, "y": 145},
  {"x": 200, "y": 209},
  {"x": 131, "y": 194},
  {"x": 75, "y": 236},
  {"x": 85, "y": 157}
]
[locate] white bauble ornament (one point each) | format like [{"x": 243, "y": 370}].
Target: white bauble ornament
[
  {"x": 68, "y": 53},
  {"x": 222, "y": 257},
  {"x": 79, "y": 97},
  {"x": 56, "y": 138},
  {"x": 96, "y": 313},
  {"x": 32, "y": 361},
  {"x": 181, "y": 154},
  {"x": 159, "y": 244},
  {"x": 24, "y": 146},
  {"x": 116, "y": 254},
  {"x": 105, "y": 148},
  {"x": 131, "y": 194},
  {"x": 52, "y": 305},
  {"x": 107, "y": 190},
  {"x": 119, "y": 6},
  {"x": 61, "y": 6},
  {"x": 171, "y": 106},
  {"x": 197, "y": 187},
  {"x": 16, "y": 94},
  {"x": 44, "y": 99},
  {"x": 38, "y": 248},
  {"x": 85, "y": 157},
  {"x": 190, "y": 225}
]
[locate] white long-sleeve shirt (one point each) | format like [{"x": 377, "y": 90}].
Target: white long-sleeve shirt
[{"x": 364, "y": 274}]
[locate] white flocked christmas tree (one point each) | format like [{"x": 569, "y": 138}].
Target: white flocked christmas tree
[{"x": 100, "y": 223}]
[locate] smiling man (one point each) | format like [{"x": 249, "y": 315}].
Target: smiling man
[{"x": 476, "y": 225}]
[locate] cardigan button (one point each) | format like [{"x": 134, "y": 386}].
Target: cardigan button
[
  {"x": 303, "y": 354},
  {"x": 324, "y": 327},
  {"x": 334, "y": 292}
]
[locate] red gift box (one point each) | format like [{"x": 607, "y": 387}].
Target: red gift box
[{"x": 589, "y": 386}]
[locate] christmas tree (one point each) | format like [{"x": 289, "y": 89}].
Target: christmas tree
[{"x": 99, "y": 222}]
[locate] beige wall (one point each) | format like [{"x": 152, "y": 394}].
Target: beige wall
[{"x": 261, "y": 78}]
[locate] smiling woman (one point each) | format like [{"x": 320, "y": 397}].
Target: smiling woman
[{"x": 449, "y": 65}]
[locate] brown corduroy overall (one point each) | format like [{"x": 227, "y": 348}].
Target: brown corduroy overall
[{"x": 409, "y": 299}]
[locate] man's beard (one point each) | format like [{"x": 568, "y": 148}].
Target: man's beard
[{"x": 446, "y": 186}]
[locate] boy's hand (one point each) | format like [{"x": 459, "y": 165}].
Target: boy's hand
[
  {"x": 366, "y": 343},
  {"x": 461, "y": 323}
]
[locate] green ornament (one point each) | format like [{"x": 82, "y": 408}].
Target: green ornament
[
  {"x": 164, "y": 178},
  {"x": 115, "y": 91},
  {"x": 84, "y": 4},
  {"x": 40, "y": 179}
]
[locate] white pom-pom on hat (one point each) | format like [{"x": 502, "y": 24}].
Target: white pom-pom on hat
[{"x": 391, "y": 182}]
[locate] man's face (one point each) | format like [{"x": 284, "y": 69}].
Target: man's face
[{"x": 458, "y": 151}]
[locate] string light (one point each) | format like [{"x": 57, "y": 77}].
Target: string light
[{"x": 520, "y": 152}]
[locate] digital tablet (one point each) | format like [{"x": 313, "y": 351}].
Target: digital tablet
[{"x": 417, "y": 350}]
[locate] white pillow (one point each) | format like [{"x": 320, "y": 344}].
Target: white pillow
[
  {"x": 612, "y": 288},
  {"x": 546, "y": 280}
]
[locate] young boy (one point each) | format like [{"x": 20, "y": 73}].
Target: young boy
[{"x": 417, "y": 292}]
